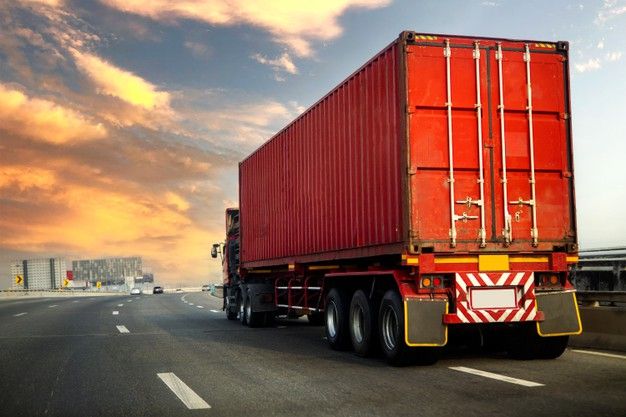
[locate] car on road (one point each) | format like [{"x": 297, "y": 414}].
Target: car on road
[
  {"x": 135, "y": 291},
  {"x": 157, "y": 290},
  {"x": 206, "y": 287}
]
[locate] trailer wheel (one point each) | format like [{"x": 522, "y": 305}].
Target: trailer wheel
[
  {"x": 391, "y": 329},
  {"x": 336, "y": 319},
  {"x": 254, "y": 319},
  {"x": 363, "y": 324},
  {"x": 551, "y": 347},
  {"x": 525, "y": 343},
  {"x": 231, "y": 313},
  {"x": 241, "y": 311}
]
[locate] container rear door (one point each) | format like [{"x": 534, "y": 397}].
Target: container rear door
[{"x": 489, "y": 146}]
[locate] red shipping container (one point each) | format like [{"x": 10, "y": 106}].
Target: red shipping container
[{"x": 406, "y": 156}]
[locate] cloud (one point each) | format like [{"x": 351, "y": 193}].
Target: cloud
[
  {"x": 199, "y": 50},
  {"x": 610, "y": 10},
  {"x": 281, "y": 64},
  {"x": 613, "y": 56},
  {"x": 591, "y": 64},
  {"x": 291, "y": 23},
  {"x": 44, "y": 120},
  {"x": 120, "y": 83}
]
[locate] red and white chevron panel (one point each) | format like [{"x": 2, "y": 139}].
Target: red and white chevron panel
[{"x": 522, "y": 282}]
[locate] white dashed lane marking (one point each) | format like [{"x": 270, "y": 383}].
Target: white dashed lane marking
[
  {"x": 498, "y": 377},
  {"x": 19, "y": 314},
  {"x": 215, "y": 311},
  {"x": 192, "y": 400},
  {"x": 120, "y": 305},
  {"x": 53, "y": 305},
  {"x": 200, "y": 306},
  {"x": 122, "y": 329},
  {"x": 115, "y": 312},
  {"x": 608, "y": 355}
]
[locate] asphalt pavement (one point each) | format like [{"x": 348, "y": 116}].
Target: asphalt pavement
[{"x": 177, "y": 355}]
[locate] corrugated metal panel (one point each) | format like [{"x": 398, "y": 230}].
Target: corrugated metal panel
[
  {"x": 330, "y": 181},
  {"x": 429, "y": 150},
  {"x": 330, "y": 185}
]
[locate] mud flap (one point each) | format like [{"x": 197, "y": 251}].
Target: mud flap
[
  {"x": 561, "y": 314},
  {"x": 423, "y": 322}
]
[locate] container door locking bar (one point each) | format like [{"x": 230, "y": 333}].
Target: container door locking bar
[
  {"x": 534, "y": 233},
  {"x": 481, "y": 177},
  {"x": 468, "y": 201},
  {"x": 507, "y": 231}
]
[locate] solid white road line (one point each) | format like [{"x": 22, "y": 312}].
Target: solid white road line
[
  {"x": 19, "y": 314},
  {"x": 608, "y": 355},
  {"x": 115, "y": 312},
  {"x": 183, "y": 392},
  {"x": 53, "y": 305},
  {"x": 120, "y": 305},
  {"x": 499, "y": 377},
  {"x": 122, "y": 329},
  {"x": 200, "y": 306},
  {"x": 215, "y": 311}
]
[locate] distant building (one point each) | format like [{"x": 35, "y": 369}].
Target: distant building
[
  {"x": 109, "y": 271},
  {"x": 38, "y": 274},
  {"x": 148, "y": 277}
]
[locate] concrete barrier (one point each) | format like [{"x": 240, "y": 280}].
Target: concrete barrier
[
  {"x": 603, "y": 328},
  {"x": 12, "y": 294}
]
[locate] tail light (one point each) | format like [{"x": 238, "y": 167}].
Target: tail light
[
  {"x": 549, "y": 279},
  {"x": 434, "y": 281}
]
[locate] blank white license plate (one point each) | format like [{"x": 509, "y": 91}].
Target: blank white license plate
[{"x": 494, "y": 298}]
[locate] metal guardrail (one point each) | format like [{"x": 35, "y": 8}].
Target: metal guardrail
[
  {"x": 601, "y": 269},
  {"x": 589, "y": 297}
]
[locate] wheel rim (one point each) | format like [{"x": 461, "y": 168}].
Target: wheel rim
[
  {"x": 240, "y": 309},
  {"x": 248, "y": 308},
  {"x": 331, "y": 319},
  {"x": 358, "y": 323},
  {"x": 390, "y": 328}
]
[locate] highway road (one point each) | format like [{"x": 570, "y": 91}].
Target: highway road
[{"x": 177, "y": 355}]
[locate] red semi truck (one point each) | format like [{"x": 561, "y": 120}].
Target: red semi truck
[{"x": 432, "y": 190}]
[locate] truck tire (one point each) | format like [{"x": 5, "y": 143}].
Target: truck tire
[
  {"x": 336, "y": 319},
  {"x": 363, "y": 324},
  {"x": 231, "y": 313},
  {"x": 241, "y": 311},
  {"x": 551, "y": 347},
  {"x": 254, "y": 319},
  {"x": 391, "y": 330},
  {"x": 525, "y": 343}
]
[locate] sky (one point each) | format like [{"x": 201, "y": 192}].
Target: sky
[{"x": 122, "y": 121}]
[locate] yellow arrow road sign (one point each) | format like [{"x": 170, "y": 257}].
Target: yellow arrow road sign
[
  {"x": 98, "y": 284},
  {"x": 66, "y": 282},
  {"x": 19, "y": 279}
]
